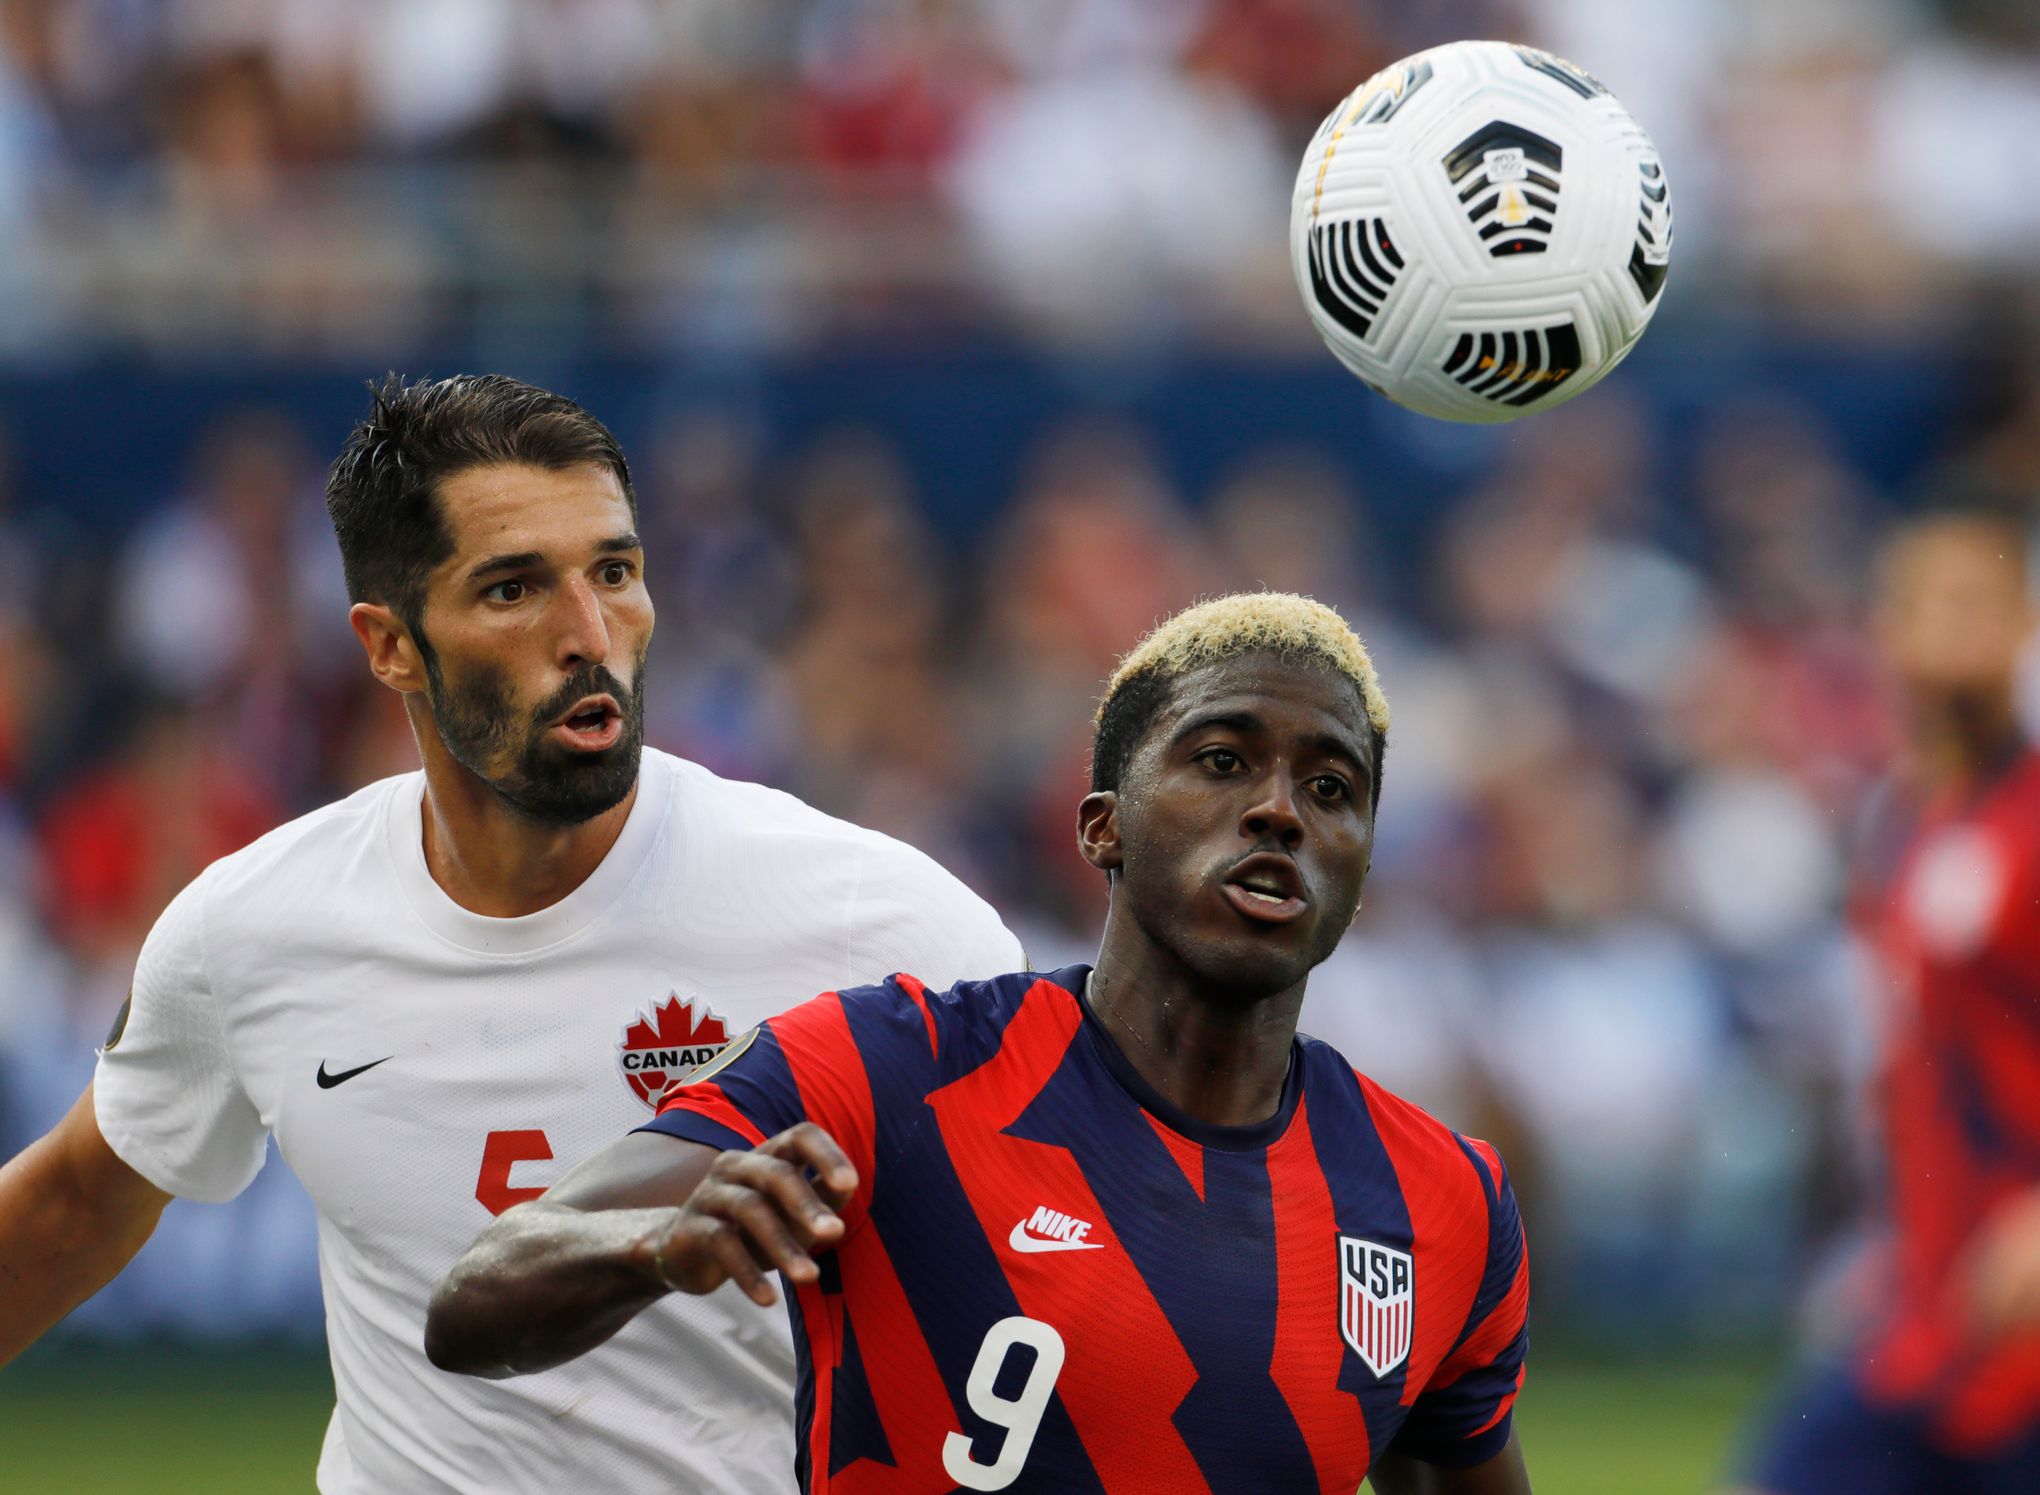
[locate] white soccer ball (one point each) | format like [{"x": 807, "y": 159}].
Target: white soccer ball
[{"x": 1481, "y": 231}]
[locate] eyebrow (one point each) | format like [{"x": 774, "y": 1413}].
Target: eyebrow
[
  {"x": 1328, "y": 743},
  {"x": 1337, "y": 747},
  {"x": 520, "y": 560},
  {"x": 516, "y": 561},
  {"x": 1236, "y": 721}
]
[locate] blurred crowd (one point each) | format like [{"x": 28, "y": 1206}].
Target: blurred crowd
[
  {"x": 1607, "y": 924},
  {"x": 394, "y": 173},
  {"x": 1607, "y": 927}
]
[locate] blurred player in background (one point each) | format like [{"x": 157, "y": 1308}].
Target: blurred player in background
[
  {"x": 1113, "y": 1229},
  {"x": 1943, "y": 1396},
  {"x": 431, "y": 988}
]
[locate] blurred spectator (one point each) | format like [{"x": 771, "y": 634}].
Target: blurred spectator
[
  {"x": 1790, "y": 530},
  {"x": 1297, "y": 57},
  {"x": 231, "y": 598},
  {"x": 1095, "y": 242},
  {"x": 1602, "y": 1032},
  {"x": 1287, "y": 520},
  {"x": 880, "y": 743},
  {"x": 126, "y": 835},
  {"x": 1637, "y": 715},
  {"x": 1093, "y": 552},
  {"x": 1101, "y": 167},
  {"x": 723, "y": 580}
]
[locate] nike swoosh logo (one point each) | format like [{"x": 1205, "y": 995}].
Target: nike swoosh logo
[
  {"x": 1020, "y": 1240},
  {"x": 327, "y": 1082}
]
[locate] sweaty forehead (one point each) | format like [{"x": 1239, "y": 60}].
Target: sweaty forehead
[{"x": 1269, "y": 687}]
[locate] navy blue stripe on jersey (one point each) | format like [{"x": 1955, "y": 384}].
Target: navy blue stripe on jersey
[
  {"x": 1204, "y": 1313},
  {"x": 1987, "y": 1124},
  {"x": 900, "y": 1071},
  {"x": 804, "y": 1376},
  {"x": 760, "y": 1085},
  {"x": 1222, "y": 1306},
  {"x": 1505, "y": 1244},
  {"x": 1367, "y": 1200},
  {"x": 970, "y": 1019},
  {"x": 896, "y": 1061},
  {"x": 1441, "y": 1427}
]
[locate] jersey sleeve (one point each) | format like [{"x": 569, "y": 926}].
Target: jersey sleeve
[
  {"x": 812, "y": 1063},
  {"x": 1462, "y": 1415},
  {"x": 908, "y": 914},
  {"x": 165, "y": 1092}
]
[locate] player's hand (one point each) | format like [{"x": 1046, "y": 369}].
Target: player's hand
[
  {"x": 758, "y": 1212},
  {"x": 2004, "y": 1269}
]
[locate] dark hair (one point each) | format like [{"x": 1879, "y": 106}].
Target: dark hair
[
  {"x": 1122, "y": 722},
  {"x": 383, "y": 490},
  {"x": 1130, "y": 710}
]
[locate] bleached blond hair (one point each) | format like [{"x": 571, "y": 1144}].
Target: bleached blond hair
[{"x": 1283, "y": 624}]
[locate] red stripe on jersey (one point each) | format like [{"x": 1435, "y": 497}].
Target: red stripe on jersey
[
  {"x": 1189, "y": 1155},
  {"x": 1961, "y": 1096},
  {"x": 1940, "y": 1190},
  {"x": 1448, "y": 1226},
  {"x": 906, "y": 1386},
  {"x": 919, "y": 992},
  {"x": 1503, "y": 1323},
  {"x": 1308, "y": 1352},
  {"x": 1909, "y": 1356},
  {"x": 708, "y": 1100},
  {"x": 1126, "y": 1428},
  {"x": 1491, "y": 1159},
  {"x": 1031, "y": 1050},
  {"x": 835, "y": 1092},
  {"x": 1994, "y": 1399}
]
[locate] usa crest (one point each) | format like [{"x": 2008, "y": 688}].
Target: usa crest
[
  {"x": 1377, "y": 1302},
  {"x": 669, "y": 1043}
]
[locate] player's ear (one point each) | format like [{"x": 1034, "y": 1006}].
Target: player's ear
[
  {"x": 393, "y": 656},
  {"x": 1098, "y": 830}
]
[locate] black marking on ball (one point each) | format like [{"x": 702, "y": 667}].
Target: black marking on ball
[{"x": 1353, "y": 267}]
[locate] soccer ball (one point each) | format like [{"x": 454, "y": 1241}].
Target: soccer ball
[{"x": 1480, "y": 231}]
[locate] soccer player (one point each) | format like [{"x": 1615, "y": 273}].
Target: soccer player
[
  {"x": 1943, "y": 1393},
  {"x": 1114, "y": 1229},
  {"x": 431, "y": 989}
]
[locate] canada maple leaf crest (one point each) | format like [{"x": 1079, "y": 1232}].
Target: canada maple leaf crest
[{"x": 669, "y": 1043}]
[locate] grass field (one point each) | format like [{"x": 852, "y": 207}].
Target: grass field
[{"x": 92, "y": 1422}]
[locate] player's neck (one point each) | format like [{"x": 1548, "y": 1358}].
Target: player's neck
[
  {"x": 1959, "y": 741},
  {"x": 1207, "y": 1053},
  {"x": 494, "y": 862}
]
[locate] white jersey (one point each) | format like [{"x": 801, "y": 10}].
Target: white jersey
[{"x": 423, "y": 1067}]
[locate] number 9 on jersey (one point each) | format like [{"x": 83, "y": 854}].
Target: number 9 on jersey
[{"x": 1019, "y": 1415}]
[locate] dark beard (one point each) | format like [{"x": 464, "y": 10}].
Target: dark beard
[{"x": 547, "y": 785}]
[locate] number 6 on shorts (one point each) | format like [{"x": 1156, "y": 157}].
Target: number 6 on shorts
[{"x": 1020, "y": 1416}]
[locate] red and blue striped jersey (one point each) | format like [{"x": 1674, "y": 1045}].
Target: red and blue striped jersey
[
  {"x": 1052, "y": 1279},
  {"x": 1955, "y": 925}
]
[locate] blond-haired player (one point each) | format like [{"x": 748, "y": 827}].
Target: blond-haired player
[{"x": 1113, "y": 1228}]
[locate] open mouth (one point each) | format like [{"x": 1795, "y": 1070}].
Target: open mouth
[
  {"x": 1266, "y": 887},
  {"x": 594, "y": 724}
]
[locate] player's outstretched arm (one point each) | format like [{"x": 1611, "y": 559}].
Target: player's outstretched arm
[
  {"x": 1393, "y": 1474},
  {"x": 650, "y": 1215},
  {"x": 72, "y": 1214}
]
